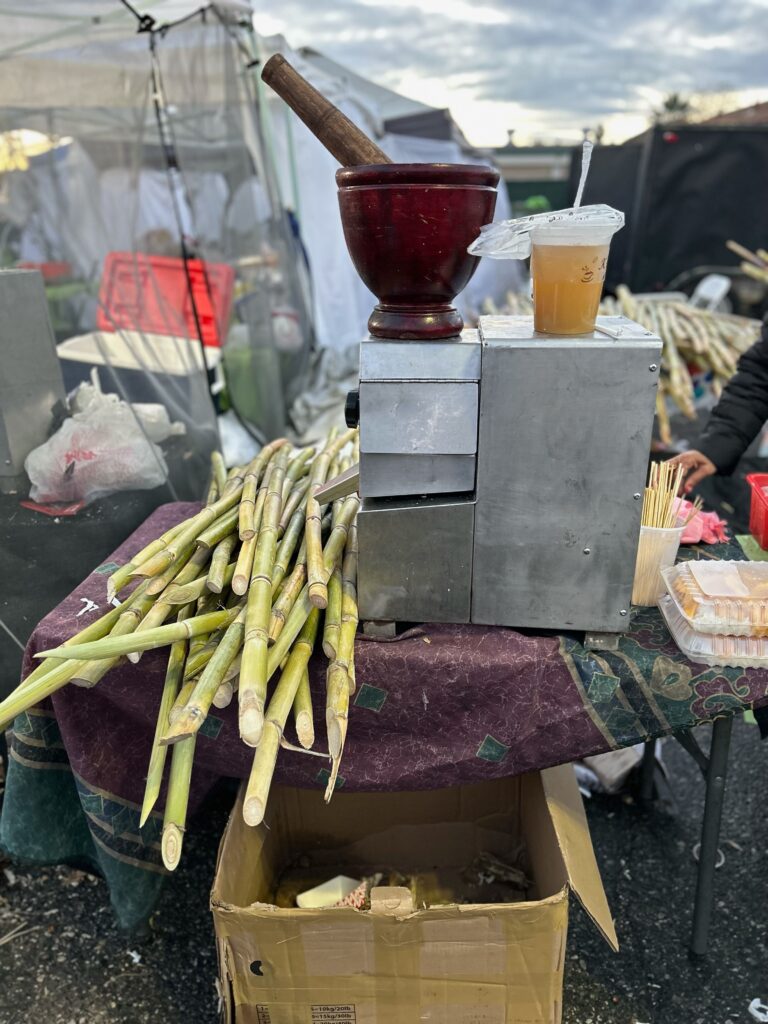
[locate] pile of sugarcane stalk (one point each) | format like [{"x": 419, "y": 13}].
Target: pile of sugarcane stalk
[
  {"x": 240, "y": 592},
  {"x": 753, "y": 264},
  {"x": 692, "y": 338}
]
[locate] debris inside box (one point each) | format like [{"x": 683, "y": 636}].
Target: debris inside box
[{"x": 487, "y": 879}]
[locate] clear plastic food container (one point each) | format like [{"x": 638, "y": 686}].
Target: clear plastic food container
[
  {"x": 721, "y": 597},
  {"x": 712, "y": 649}
]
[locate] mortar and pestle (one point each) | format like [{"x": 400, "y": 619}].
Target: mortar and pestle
[{"x": 407, "y": 226}]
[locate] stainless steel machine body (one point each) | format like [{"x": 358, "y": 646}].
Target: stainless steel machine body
[
  {"x": 30, "y": 379},
  {"x": 501, "y": 472}
]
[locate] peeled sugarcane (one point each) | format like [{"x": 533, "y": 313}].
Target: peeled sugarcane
[
  {"x": 173, "y": 680},
  {"x": 340, "y": 672},
  {"x": 280, "y": 705},
  {"x": 253, "y": 666}
]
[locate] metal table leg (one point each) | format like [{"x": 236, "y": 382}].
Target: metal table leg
[{"x": 715, "y": 775}]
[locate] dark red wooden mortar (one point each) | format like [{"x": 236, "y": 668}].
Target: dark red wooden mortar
[{"x": 407, "y": 228}]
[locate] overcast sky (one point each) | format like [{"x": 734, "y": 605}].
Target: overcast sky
[{"x": 545, "y": 68}]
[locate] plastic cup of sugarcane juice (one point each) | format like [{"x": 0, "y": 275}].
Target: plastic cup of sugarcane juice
[{"x": 568, "y": 262}]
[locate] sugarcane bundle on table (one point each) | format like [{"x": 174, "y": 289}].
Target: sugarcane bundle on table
[
  {"x": 237, "y": 593},
  {"x": 709, "y": 341}
]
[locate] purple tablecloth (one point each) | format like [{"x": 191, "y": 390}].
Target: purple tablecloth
[{"x": 439, "y": 706}]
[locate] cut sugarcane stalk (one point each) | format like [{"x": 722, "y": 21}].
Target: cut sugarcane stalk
[
  {"x": 247, "y": 522},
  {"x": 333, "y": 550},
  {"x": 318, "y": 591},
  {"x": 257, "y": 791},
  {"x": 122, "y": 576},
  {"x": 128, "y": 622},
  {"x": 181, "y": 702},
  {"x": 337, "y": 698},
  {"x": 197, "y": 588},
  {"x": 201, "y": 698},
  {"x": 302, "y": 713},
  {"x": 162, "y": 607},
  {"x": 223, "y": 696},
  {"x": 332, "y": 621},
  {"x": 288, "y": 595},
  {"x": 115, "y": 646},
  {"x": 217, "y": 531},
  {"x": 312, "y": 531},
  {"x": 25, "y": 697},
  {"x": 287, "y": 545},
  {"x": 217, "y": 573},
  {"x": 244, "y": 567},
  {"x": 193, "y": 527},
  {"x": 253, "y": 666},
  {"x": 173, "y": 677},
  {"x": 93, "y": 631},
  {"x": 296, "y": 500},
  {"x": 176, "y": 801}
]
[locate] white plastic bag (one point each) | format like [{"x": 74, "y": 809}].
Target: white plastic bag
[{"x": 99, "y": 450}]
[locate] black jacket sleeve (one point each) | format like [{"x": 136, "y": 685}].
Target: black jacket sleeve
[{"x": 742, "y": 410}]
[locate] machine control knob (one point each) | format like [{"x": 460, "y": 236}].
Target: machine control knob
[{"x": 352, "y": 408}]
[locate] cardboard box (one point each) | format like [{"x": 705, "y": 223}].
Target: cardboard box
[{"x": 479, "y": 964}]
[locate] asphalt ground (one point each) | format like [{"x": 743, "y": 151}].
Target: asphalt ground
[{"x": 69, "y": 963}]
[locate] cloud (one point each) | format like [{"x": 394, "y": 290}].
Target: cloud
[{"x": 569, "y": 61}]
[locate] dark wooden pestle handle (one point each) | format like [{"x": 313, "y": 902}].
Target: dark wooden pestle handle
[{"x": 344, "y": 140}]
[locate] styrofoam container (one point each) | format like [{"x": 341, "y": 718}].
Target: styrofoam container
[
  {"x": 710, "y": 648},
  {"x": 721, "y": 597}
]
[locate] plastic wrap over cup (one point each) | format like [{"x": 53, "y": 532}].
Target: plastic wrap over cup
[{"x": 512, "y": 239}]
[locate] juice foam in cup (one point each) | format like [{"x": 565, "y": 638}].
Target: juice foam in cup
[{"x": 568, "y": 270}]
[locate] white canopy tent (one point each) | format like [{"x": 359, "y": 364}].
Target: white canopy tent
[{"x": 80, "y": 69}]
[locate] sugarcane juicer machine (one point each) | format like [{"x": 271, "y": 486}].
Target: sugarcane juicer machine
[{"x": 501, "y": 471}]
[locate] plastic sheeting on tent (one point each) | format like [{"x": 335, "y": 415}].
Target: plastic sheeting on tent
[
  {"x": 158, "y": 200},
  {"x": 341, "y": 302}
]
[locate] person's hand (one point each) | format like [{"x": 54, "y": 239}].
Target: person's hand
[{"x": 696, "y": 467}]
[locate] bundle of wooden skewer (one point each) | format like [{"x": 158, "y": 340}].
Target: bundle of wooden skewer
[
  {"x": 237, "y": 591},
  {"x": 661, "y": 505}
]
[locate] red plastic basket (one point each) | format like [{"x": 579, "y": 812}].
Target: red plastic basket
[
  {"x": 50, "y": 271},
  {"x": 150, "y": 293},
  {"x": 758, "y": 511}
]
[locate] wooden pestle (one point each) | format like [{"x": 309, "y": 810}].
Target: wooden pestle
[{"x": 344, "y": 140}]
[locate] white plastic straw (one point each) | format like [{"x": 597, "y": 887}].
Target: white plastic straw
[{"x": 586, "y": 157}]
